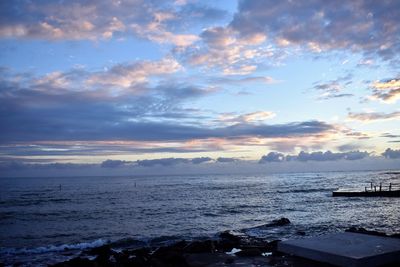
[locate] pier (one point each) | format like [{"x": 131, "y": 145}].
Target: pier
[{"x": 391, "y": 190}]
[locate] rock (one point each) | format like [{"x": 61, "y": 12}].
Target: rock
[
  {"x": 229, "y": 236},
  {"x": 302, "y": 233},
  {"x": 200, "y": 247},
  {"x": 100, "y": 251},
  {"x": 250, "y": 252},
  {"x": 272, "y": 246},
  {"x": 280, "y": 222},
  {"x": 75, "y": 262},
  {"x": 228, "y": 241},
  {"x": 229, "y": 261},
  {"x": 395, "y": 235},
  {"x": 167, "y": 256},
  {"x": 209, "y": 259},
  {"x": 180, "y": 246}
]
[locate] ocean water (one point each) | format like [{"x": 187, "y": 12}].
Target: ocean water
[{"x": 45, "y": 220}]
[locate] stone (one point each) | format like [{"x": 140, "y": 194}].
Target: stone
[{"x": 250, "y": 252}]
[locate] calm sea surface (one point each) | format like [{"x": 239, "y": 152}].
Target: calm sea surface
[{"x": 45, "y": 220}]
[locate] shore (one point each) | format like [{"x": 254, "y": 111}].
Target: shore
[{"x": 229, "y": 248}]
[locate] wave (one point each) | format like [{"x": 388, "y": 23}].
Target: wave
[
  {"x": 311, "y": 190},
  {"x": 54, "y": 248}
]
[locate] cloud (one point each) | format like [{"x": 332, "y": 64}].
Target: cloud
[
  {"x": 373, "y": 116},
  {"x": 201, "y": 160},
  {"x": 389, "y": 135},
  {"x": 114, "y": 163},
  {"x": 252, "y": 117},
  {"x": 156, "y": 20},
  {"x": 161, "y": 162},
  {"x": 245, "y": 80},
  {"x": 132, "y": 74},
  {"x": 387, "y": 91},
  {"x": 226, "y": 160},
  {"x": 46, "y": 109},
  {"x": 391, "y": 153},
  {"x": 272, "y": 157},
  {"x": 348, "y": 147},
  {"x": 366, "y": 26},
  {"x": 314, "y": 156},
  {"x": 156, "y": 31},
  {"x": 333, "y": 89},
  {"x": 223, "y": 49},
  {"x": 154, "y": 162}
]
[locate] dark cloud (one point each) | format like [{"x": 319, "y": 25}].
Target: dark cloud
[
  {"x": 38, "y": 128},
  {"x": 19, "y": 165},
  {"x": 272, "y": 157},
  {"x": 373, "y": 116},
  {"x": 45, "y": 111},
  {"x": 391, "y": 153},
  {"x": 331, "y": 96},
  {"x": 314, "y": 156},
  {"x": 389, "y": 135},
  {"x": 89, "y": 148},
  {"x": 348, "y": 147},
  {"x": 370, "y": 27},
  {"x": 333, "y": 89},
  {"x": 319, "y": 156},
  {"x": 226, "y": 160},
  {"x": 114, "y": 163},
  {"x": 162, "y": 162}
]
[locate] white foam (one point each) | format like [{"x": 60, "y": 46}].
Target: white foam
[
  {"x": 53, "y": 248},
  {"x": 233, "y": 251}
]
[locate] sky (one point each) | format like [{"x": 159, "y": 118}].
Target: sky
[{"x": 145, "y": 85}]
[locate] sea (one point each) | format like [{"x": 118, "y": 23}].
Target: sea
[{"x": 46, "y": 220}]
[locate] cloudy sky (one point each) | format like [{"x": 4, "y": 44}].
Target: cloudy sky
[{"x": 158, "y": 83}]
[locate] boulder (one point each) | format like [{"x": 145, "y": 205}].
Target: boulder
[
  {"x": 200, "y": 247},
  {"x": 249, "y": 252}
]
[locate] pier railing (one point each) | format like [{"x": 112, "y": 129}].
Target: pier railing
[{"x": 380, "y": 187}]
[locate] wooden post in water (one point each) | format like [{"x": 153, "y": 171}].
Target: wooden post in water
[
  {"x": 390, "y": 186},
  {"x": 375, "y": 188},
  {"x": 380, "y": 187},
  {"x": 371, "y": 186}
]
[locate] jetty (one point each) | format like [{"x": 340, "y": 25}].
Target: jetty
[
  {"x": 346, "y": 249},
  {"x": 391, "y": 190}
]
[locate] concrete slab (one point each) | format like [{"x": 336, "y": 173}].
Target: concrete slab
[{"x": 345, "y": 249}]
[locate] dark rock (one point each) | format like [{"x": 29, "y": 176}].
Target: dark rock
[
  {"x": 280, "y": 222},
  {"x": 166, "y": 256},
  {"x": 395, "y": 235},
  {"x": 250, "y": 252},
  {"x": 100, "y": 251},
  {"x": 229, "y": 261},
  {"x": 229, "y": 236},
  {"x": 302, "y": 233},
  {"x": 75, "y": 262},
  {"x": 180, "y": 246},
  {"x": 209, "y": 259},
  {"x": 128, "y": 243},
  {"x": 200, "y": 247},
  {"x": 228, "y": 241},
  {"x": 272, "y": 246}
]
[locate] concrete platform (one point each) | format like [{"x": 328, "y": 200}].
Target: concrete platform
[{"x": 345, "y": 249}]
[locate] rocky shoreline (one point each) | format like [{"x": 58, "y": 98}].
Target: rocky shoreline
[{"x": 228, "y": 249}]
